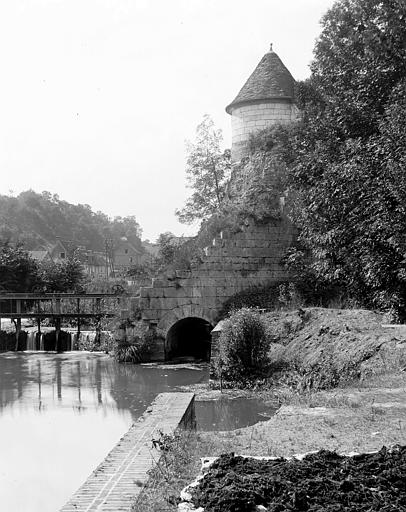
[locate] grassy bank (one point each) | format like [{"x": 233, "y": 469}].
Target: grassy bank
[{"x": 324, "y": 348}]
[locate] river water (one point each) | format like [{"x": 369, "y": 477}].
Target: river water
[{"x": 60, "y": 414}]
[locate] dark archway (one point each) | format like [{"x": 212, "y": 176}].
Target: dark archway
[{"x": 189, "y": 338}]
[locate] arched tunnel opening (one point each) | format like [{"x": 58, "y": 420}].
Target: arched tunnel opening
[{"x": 189, "y": 338}]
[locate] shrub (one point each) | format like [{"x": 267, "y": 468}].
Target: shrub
[
  {"x": 102, "y": 343},
  {"x": 243, "y": 346},
  {"x": 133, "y": 342}
]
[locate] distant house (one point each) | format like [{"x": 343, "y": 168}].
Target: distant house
[
  {"x": 125, "y": 256},
  {"x": 41, "y": 256},
  {"x": 95, "y": 265},
  {"x": 60, "y": 251}
]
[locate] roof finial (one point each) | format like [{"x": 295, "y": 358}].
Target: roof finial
[{"x": 270, "y": 48}]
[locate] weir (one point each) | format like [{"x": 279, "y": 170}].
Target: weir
[{"x": 55, "y": 307}]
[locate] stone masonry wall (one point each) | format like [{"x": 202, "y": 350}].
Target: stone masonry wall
[
  {"x": 233, "y": 263},
  {"x": 250, "y": 118}
]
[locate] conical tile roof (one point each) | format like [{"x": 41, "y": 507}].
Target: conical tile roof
[{"x": 271, "y": 79}]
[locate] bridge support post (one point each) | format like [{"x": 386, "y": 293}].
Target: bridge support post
[
  {"x": 37, "y": 343},
  {"x": 18, "y": 330},
  {"x": 58, "y": 326},
  {"x": 78, "y": 310},
  {"x": 57, "y": 334},
  {"x": 18, "y": 323},
  {"x": 98, "y": 321}
]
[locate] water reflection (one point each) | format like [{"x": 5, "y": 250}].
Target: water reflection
[
  {"x": 60, "y": 415},
  {"x": 83, "y": 380},
  {"x": 226, "y": 414}
]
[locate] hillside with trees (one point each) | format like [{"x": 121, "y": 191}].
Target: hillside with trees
[{"x": 36, "y": 220}]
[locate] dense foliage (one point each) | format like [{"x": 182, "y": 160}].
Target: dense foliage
[
  {"x": 37, "y": 219},
  {"x": 260, "y": 296},
  {"x": 243, "y": 346},
  {"x": 303, "y": 290},
  {"x": 176, "y": 253},
  {"x": 18, "y": 272},
  {"x": 349, "y": 152},
  {"x": 133, "y": 341},
  {"x": 207, "y": 171},
  {"x": 64, "y": 276},
  {"x": 21, "y": 273}
]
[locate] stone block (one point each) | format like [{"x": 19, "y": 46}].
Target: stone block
[
  {"x": 187, "y": 310},
  {"x": 150, "y": 314},
  {"x": 218, "y": 273},
  {"x": 183, "y": 274},
  {"x": 187, "y": 291},
  {"x": 213, "y": 302},
  {"x": 197, "y": 292},
  {"x": 145, "y": 292},
  {"x": 155, "y": 303},
  {"x": 173, "y": 303},
  {"x": 222, "y": 291},
  {"x": 208, "y": 291},
  {"x": 159, "y": 283},
  {"x": 172, "y": 292}
]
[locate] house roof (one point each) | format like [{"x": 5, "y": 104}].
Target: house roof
[
  {"x": 122, "y": 245},
  {"x": 270, "y": 80},
  {"x": 39, "y": 255}
]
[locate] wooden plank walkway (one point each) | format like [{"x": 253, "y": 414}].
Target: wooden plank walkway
[{"x": 119, "y": 479}]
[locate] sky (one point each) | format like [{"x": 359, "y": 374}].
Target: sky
[{"x": 97, "y": 97}]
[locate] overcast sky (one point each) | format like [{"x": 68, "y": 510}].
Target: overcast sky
[{"x": 97, "y": 97}]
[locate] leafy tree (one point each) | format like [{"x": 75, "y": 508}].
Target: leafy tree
[
  {"x": 207, "y": 172},
  {"x": 347, "y": 175},
  {"x": 359, "y": 58},
  {"x": 18, "y": 272},
  {"x": 176, "y": 253},
  {"x": 66, "y": 276},
  {"x": 167, "y": 248}
]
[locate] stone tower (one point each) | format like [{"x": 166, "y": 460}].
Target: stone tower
[{"x": 266, "y": 98}]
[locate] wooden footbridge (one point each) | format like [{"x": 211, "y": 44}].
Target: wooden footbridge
[{"x": 56, "y": 307}]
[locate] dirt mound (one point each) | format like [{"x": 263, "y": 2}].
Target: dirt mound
[
  {"x": 329, "y": 346},
  {"x": 321, "y": 481}
]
